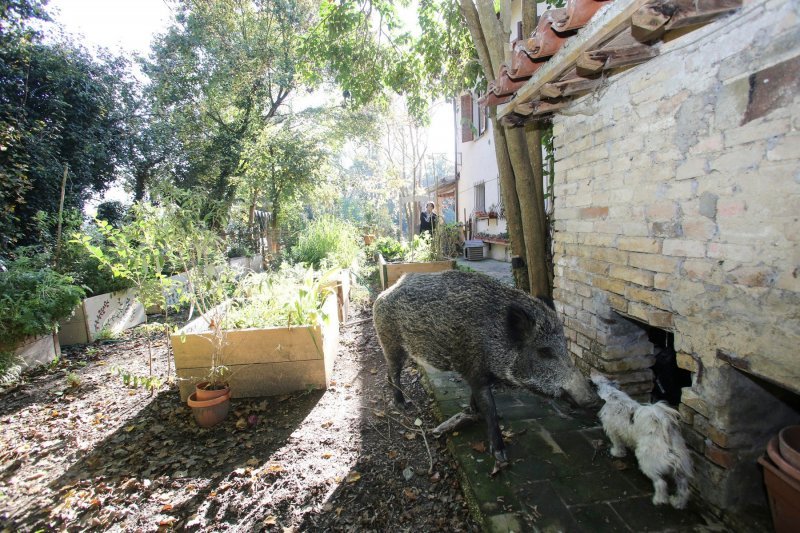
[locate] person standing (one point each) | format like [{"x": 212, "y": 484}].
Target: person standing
[{"x": 428, "y": 219}]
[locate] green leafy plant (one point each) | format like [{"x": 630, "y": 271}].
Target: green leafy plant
[
  {"x": 135, "y": 381},
  {"x": 390, "y": 248},
  {"x": 291, "y": 296},
  {"x": 106, "y": 334},
  {"x": 32, "y": 302},
  {"x": 73, "y": 380},
  {"x": 327, "y": 242},
  {"x": 11, "y": 367}
]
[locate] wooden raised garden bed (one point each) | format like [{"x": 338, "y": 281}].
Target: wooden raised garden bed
[
  {"x": 114, "y": 311},
  {"x": 262, "y": 361},
  {"x": 391, "y": 272}
]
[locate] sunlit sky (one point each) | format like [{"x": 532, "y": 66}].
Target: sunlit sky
[{"x": 128, "y": 26}]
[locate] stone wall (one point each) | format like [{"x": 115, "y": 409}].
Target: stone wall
[{"x": 677, "y": 204}]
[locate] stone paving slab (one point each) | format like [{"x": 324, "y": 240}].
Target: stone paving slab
[{"x": 560, "y": 477}]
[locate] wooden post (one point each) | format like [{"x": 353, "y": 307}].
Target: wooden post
[{"x": 60, "y": 212}]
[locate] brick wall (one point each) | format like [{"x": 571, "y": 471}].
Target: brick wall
[{"x": 677, "y": 204}]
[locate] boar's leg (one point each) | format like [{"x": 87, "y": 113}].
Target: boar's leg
[
  {"x": 482, "y": 396},
  {"x": 395, "y": 360}
]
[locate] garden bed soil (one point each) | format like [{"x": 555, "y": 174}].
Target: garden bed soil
[{"x": 100, "y": 455}]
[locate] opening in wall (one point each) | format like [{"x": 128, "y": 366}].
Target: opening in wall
[{"x": 668, "y": 379}]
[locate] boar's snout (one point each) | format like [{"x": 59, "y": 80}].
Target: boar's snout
[{"x": 578, "y": 391}]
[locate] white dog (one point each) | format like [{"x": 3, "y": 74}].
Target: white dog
[{"x": 652, "y": 431}]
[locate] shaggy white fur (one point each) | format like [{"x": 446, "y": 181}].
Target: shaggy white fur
[{"x": 652, "y": 431}]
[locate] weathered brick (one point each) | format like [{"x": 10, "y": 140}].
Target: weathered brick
[
  {"x": 659, "y": 319},
  {"x": 654, "y": 262},
  {"x": 756, "y": 131},
  {"x": 633, "y": 275},
  {"x": 683, "y": 248},
  {"x": 663, "y": 282},
  {"x": 609, "y": 255},
  {"x": 599, "y": 239},
  {"x": 724, "y": 458},
  {"x": 700, "y": 228},
  {"x": 611, "y": 285},
  {"x": 744, "y": 158},
  {"x": 712, "y": 143},
  {"x": 687, "y": 362},
  {"x": 687, "y": 414},
  {"x": 618, "y": 303},
  {"x": 595, "y": 267},
  {"x": 661, "y": 211},
  {"x": 731, "y": 252},
  {"x": 730, "y": 207},
  {"x": 692, "y": 168},
  {"x": 657, "y": 299},
  {"x": 640, "y": 244},
  {"x": 583, "y": 290},
  {"x": 785, "y": 148},
  {"x": 693, "y": 400},
  {"x": 761, "y": 276}
]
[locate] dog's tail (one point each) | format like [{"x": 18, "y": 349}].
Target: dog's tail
[{"x": 670, "y": 412}]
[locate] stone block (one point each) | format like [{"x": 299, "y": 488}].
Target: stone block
[
  {"x": 654, "y": 262},
  {"x": 743, "y": 158},
  {"x": 731, "y": 252},
  {"x": 699, "y": 229},
  {"x": 694, "y": 401},
  {"x": 687, "y": 414},
  {"x": 633, "y": 275},
  {"x": 611, "y": 285},
  {"x": 694, "y": 440},
  {"x": 654, "y": 298},
  {"x": 609, "y": 255},
  {"x": 668, "y": 229},
  {"x": 761, "y": 276},
  {"x": 687, "y": 362},
  {"x": 659, "y": 319},
  {"x": 784, "y": 148},
  {"x": 757, "y": 130},
  {"x": 639, "y": 244},
  {"x": 708, "y": 205},
  {"x": 731, "y": 207},
  {"x": 719, "y": 456},
  {"x": 683, "y": 248},
  {"x": 663, "y": 282},
  {"x": 693, "y": 167},
  {"x": 618, "y": 303}
]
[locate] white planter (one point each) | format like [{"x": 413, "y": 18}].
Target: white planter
[
  {"x": 35, "y": 351},
  {"x": 115, "y": 311}
]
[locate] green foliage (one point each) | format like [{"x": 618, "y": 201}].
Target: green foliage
[
  {"x": 112, "y": 212},
  {"x": 135, "y": 381},
  {"x": 106, "y": 334},
  {"x": 11, "y": 367},
  {"x": 366, "y": 51},
  {"x": 59, "y": 106},
  {"x": 73, "y": 380},
  {"x": 327, "y": 242},
  {"x": 32, "y": 301},
  {"x": 220, "y": 75},
  {"x": 445, "y": 241},
  {"x": 292, "y": 295},
  {"x": 390, "y": 248}
]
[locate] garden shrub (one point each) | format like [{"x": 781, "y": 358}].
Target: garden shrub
[
  {"x": 390, "y": 248},
  {"x": 32, "y": 301},
  {"x": 327, "y": 242}
]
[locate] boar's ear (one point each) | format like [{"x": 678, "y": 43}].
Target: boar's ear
[{"x": 519, "y": 323}]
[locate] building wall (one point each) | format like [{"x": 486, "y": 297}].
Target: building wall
[{"x": 677, "y": 204}]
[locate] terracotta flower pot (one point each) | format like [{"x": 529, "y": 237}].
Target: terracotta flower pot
[
  {"x": 784, "y": 497},
  {"x": 780, "y": 461},
  {"x": 789, "y": 444},
  {"x": 209, "y": 413},
  {"x": 203, "y": 393}
]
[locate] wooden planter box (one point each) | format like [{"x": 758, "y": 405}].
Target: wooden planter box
[
  {"x": 262, "y": 361},
  {"x": 116, "y": 311},
  {"x": 35, "y": 351},
  {"x": 391, "y": 272},
  {"x": 341, "y": 287}
]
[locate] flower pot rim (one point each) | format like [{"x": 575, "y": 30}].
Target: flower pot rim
[
  {"x": 789, "y": 444},
  {"x": 201, "y": 385},
  {"x": 775, "y": 455},
  {"x": 192, "y": 401}
]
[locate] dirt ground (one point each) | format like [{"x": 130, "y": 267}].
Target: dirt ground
[{"x": 101, "y": 456}]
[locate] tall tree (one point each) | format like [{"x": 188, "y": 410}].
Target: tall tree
[
  {"x": 220, "y": 74},
  {"x": 461, "y": 45},
  {"x": 58, "y": 108}
]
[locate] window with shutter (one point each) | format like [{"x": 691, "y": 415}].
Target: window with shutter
[{"x": 466, "y": 118}]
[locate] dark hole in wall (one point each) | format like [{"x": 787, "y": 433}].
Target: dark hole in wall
[{"x": 668, "y": 379}]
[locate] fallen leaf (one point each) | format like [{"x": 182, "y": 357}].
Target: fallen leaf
[
  {"x": 352, "y": 477},
  {"x": 274, "y": 468},
  {"x": 435, "y": 477},
  {"x": 479, "y": 447},
  {"x": 410, "y": 494},
  {"x": 380, "y": 414},
  {"x": 241, "y": 424},
  {"x": 252, "y": 462},
  {"x": 373, "y": 371},
  {"x": 327, "y": 424},
  {"x": 271, "y": 520},
  {"x": 391, "y": 454},
  {"x": 128, "y": 429},
  {"x": 619, "y": 465},
  {"x": 326, "y": 455},
  {"x": 166, "y": 508},
  {"x": 408, "y": 473},
  {"x": 418, "y": 422},
  {"x": 410, "y": 435}
]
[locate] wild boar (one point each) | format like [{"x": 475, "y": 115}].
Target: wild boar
[{"x": 483, "y": 329}]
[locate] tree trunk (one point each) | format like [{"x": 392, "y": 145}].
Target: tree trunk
[{"x": 516, "y": 155}]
